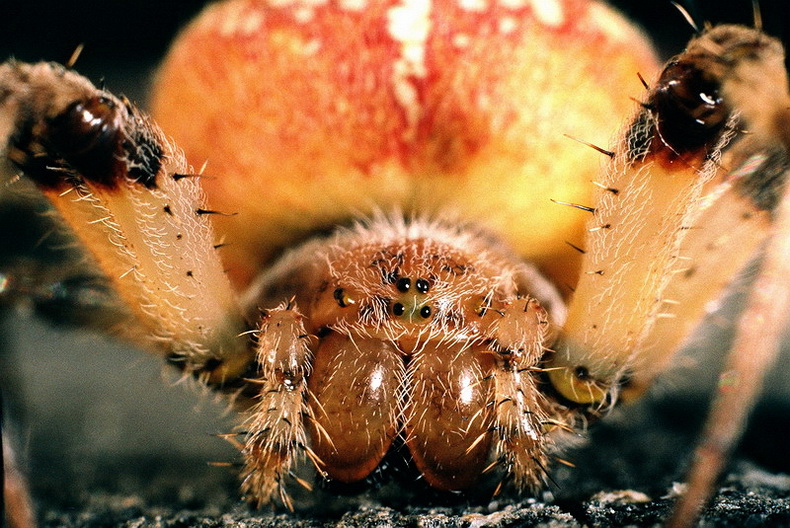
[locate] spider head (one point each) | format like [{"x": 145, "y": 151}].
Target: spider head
[{"x": 410, "y": 292}]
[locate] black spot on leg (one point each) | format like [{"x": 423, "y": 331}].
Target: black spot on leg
[
  {"x": 88, "y": 136},
  {"x": 95, "y": 137},
  {"x": 691, "y": 111},
  {"x": 288, "y": 380},
  {"x": 212, "y": 364},
  {"x": 686, "y": 115}
]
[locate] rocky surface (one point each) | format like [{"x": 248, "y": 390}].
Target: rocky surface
[{"x": 750, "y": 496}]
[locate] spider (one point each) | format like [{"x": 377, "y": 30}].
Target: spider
[{"x": 422, "y": 317}]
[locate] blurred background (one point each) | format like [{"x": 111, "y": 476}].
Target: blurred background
[{"x": 86, "y": 405}]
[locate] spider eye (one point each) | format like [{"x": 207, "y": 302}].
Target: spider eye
[
  {"x": 342, "y": 298},
  {"x": 403, "y": 284},
  {"x": 425, "y": 312},
  {"x": 422, "y": 286},
  {"x": 398, "y": 309}
]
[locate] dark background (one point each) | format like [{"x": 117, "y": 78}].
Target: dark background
[
  {"x": 126, "y": 31},
  {"x": 124, "y": 34}
]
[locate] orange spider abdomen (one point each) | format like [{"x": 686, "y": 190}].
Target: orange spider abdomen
[{"x": 323, "y": 111}]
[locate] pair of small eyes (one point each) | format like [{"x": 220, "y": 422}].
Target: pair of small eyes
[
  {"x": 404, "y": 285},
  {"x": 398, "y": 310}
]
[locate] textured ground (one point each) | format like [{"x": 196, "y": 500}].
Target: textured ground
[{"x": 177, "y": 493}]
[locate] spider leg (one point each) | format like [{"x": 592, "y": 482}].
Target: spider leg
[
  {"x": 648, "y": 203},
  {"x": 756, "y": 347},
  {"x": 275, "y": 426},
  {"x": 520, "y": 334},
  {"x": 758, "y": 88},
  {"x": 663, "y": 238},
  {"x": 135, "y": 204},
  {"x": 686, "y": 201}
]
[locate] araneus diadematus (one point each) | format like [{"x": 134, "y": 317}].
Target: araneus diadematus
[{"x": 420, "y": 323}]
